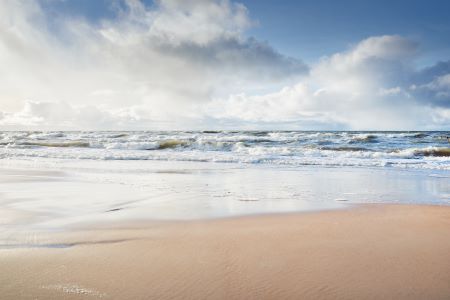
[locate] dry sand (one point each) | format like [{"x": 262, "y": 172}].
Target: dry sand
[{"x": 370, "y": 252}]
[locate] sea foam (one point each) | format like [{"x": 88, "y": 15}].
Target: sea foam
[{"x": 427, "y": 150}]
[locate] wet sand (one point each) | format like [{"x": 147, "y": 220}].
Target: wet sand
[{"x": 369, "y": 252}]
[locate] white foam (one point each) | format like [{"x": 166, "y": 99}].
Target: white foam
[{"x": 403, "y": 149}]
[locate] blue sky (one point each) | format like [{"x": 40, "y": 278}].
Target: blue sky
[
  {"x": 314, "y": 28},
  {"x": 310, "y": 29},
  {"x": 202, "y": 64}
]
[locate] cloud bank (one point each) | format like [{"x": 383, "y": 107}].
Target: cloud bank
[
  {"x": 190, "y": 65},
  {"x": 373, "y": 85}
]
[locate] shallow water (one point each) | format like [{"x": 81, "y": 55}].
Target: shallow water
[
  {"x": 58, "y": 180},
  {"x": 51, "y": 194}
]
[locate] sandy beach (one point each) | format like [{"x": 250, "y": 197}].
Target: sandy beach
[
  {"x": 367, "y": 252},
  {"x": 224, "y": 150}
]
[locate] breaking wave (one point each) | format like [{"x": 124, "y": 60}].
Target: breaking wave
[
  {"x": 170, "y": 144},
  {"x": 344, "y": 148},
  {"x": 384, "y": 149},
  {"x": 76, "y": 144},
  {"x": 439, "y": 152}
]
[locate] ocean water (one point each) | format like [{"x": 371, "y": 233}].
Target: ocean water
[
  {"x": 418, "y": 150},
  {"x": 55, "y": 180}
]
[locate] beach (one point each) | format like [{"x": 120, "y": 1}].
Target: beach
[
  {"x": 366, "y": 252},
  {"x": 184, "y": 222},
  {"x": 224, "y": 149}
]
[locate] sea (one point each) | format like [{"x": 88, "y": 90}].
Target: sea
[
  {"x": 406, "y": 149},
  {"x": 51, "y": 181}
]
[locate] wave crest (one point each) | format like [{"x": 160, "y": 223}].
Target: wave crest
[
  {"x": 170, "y": 144},
  {"x": 439, "y": 152},
  {"x": 75, "y": 144}
]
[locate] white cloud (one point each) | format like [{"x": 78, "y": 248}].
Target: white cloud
[
  {"x": 164, "y": 60},
  {"x": 63, "y": 116},
  {"x": 440, "y": 86},
  {"x": 442, "y": 117},
  {"x": 366, "y": 87},
  {"x": 189, "y": 64}
]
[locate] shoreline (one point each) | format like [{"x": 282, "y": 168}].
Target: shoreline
[
  {"x": 106, "y": 192},
  {"x": 365, "y": 252}
]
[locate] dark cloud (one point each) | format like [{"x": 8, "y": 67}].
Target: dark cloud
[
  {"x": 247, "y": 59},
  {"x": 431, "y": 86}
]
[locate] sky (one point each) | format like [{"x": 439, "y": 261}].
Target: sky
[{"x": 219, "y": 64}]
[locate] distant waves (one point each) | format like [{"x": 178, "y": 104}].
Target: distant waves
[{"x": 428, "y": 150}]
